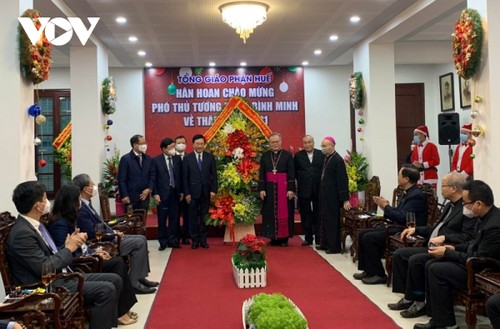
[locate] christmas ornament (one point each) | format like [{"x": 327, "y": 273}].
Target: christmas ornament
[
  {"x": 267, "y": 71},
  {"x": 108, "y": 138},
  {"x": 472, "y": 156},
  {"x": 42, "y": 163},
  {"x": 478, "y": 99},
  {"x": 34, "y": 110},
  {"x": 185, "y": 72},
  {"x": 362, "y": 138},
  {"x": 360, "y": 112},
  {"x": 37, "y": 141},
  {"x": 471, "y": 142},
  {"x": 172, "y": 88},
  {"x": 293, "y": 68},
  {"x": 360, "y": 129},
  {"x": 474, "y": 114},
  {"x": 477, "y": 131},
  {"x": 361, "y": 121},
  {"x": 106, "y": 126},
  {"x": 40, "y": 120},
  {"x": 283, "y": 87},
  {"x": 109, "y": 122},
  {"x": 159, "y": 72}
]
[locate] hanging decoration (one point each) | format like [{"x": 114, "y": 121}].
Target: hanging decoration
[
  {"x": 34, "y": 110},
  {"x": 357, "y": 90},
  {"x": 37, "y": 141},
  {"x": 40, "y": 119},
  {"x": 108, "y": 96},
  {"x": 172, "y": 89},
  {"x": 467, "y": 43},
  {"x": 62, "y": 150},
  {"x": 35, "y": 59}
]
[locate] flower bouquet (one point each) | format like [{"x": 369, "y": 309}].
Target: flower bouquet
[
  {"x": 272, "y": 311},
  {"x": 249, "y": 262}
]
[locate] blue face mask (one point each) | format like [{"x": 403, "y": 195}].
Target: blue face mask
[
  {"x": 464, "y": 138},
  {"x": 416, "y": 140}
]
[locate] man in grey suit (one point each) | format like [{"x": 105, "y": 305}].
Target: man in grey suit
[
  {"x": 135, "y": 246},
  {"x": 29, "y": 245},
  {"x": 308, "y": 166}
]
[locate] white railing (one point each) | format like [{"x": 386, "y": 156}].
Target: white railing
[{"x": 254, "y": 278}]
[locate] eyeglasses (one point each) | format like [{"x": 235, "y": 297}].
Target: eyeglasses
[{"x": 467, "y": 203}]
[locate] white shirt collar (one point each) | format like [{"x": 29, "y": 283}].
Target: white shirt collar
[{"x": 32, "y": 221}]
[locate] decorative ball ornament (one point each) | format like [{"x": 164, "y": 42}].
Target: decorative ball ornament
[
  {"x": 40, "y": 120},
  {"x": 172, "y": 88},
  {"x": 37, "y": 141},
  {"x": 478, "y": 99},
  {"x": 293, "y": 68},
  {"x": 109, "y": 122},
  {"x": 477, "y": 131},
  {"x": 472, "y": 156},
  {"x": 42, "y": 163},
  {"x": 474, "y": 114},
  {"x": 283, "y": 87},
  {"x": 361, "y": 121},
  {"x": 360, "y": 129},
  {"x": 362, "y": 138},
  {"x": 106, "y": 126},
  {"x": 34, "y": 110},
  {"x": 471, "y": 142},
  {"x": 360, "y": 113},
  {"x": 109, "y": 138}
]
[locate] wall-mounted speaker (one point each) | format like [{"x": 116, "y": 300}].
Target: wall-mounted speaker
[{"x": 449, "y": 128}]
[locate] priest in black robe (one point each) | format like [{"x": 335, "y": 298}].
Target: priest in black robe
[
  {"x": 333, "y": 194},
  {"x": 277, "y": 192}
]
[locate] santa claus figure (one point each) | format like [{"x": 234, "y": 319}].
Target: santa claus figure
[
  {"x": 425, "y": 156},
  {"x": 462, "y": 160}
]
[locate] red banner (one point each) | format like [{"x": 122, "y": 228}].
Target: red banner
[{"x": 186, "y": 101}]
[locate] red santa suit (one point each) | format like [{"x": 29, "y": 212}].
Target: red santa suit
[
  {"x": 462, "y": 162},
  {"x": 427, "y": 154}
]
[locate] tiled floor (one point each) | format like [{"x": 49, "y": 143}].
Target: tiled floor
[{"x": 379, "y": 294}]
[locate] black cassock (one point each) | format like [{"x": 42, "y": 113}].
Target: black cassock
[
  {"x": 282, "y": 161},
  {"x": 333, "y": 191}
]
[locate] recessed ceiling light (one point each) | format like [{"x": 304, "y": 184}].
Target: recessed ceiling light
[
  {"x": 212, "y": 64},
  {"x": 355, "y": 19},
  {"x": 334, "y": 37},
  {"x": 243, "y": 64},
  {"x": 148, "y": 64},
  {"x": 317, "y": 52},
  {"x": 305, "y": 63},
  {"x": 141, "y": 53},
  {"x": 132, "y": 38},
  {"x": 121, "y": 20}
]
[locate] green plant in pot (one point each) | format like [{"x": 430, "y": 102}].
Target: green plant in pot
[{"x": 274, "y": 311}]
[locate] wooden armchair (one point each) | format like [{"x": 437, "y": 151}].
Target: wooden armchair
[
  {"x": 395, "y": 242},
  {"x": 128, "y": 224},
  {"x": 356, "y": 219},
  {"x": 66, "y": 308}
]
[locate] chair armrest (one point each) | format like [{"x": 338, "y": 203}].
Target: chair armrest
[
  {"x": 87, "y": 264},
  {"x": 477, "y": 264},
  {"x": 112, "y": 248}
]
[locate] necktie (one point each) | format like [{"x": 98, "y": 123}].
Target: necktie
[
  {"x": 435, "y": 232},
  {"x": 140, "y": 160},
  {"x": 171, "y": 172},
  {"x": 199, "y": 162},
  {"x": 48, "y": 239}
]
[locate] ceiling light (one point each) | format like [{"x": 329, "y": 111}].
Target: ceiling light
[
  {"x": 212, "y": 64},
  {"x": 317, "y": 52},
  {"x": 141, "y": 53},
  {"x": 334, "y": 37},
  {"x": 121, "y": 20},
  {"x": 244, "y": 16},
  {"x": 243, "y": 64},
  {"x": 305, "y": 63},
  {"x": 148, "y": 64},
  {"x": 132, "y": 38},
  {"x": 355, "y": 19}
]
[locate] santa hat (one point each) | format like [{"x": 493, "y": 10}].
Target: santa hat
[
  {"x": 467, "y": 128},
  {"x": 330, "y": 138},
  {"x": 422, "y": 130}
]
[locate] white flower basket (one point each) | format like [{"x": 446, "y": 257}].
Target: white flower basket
[
  {"x": 245, "y": 310},
  {"x": 254, "y": 278}
]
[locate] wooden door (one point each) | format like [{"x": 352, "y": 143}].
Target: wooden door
[{"x": 410, "y": 113}]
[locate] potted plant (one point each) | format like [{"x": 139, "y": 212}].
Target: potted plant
[
  {"x": 110, "y": 181},
  {"x": 272, "y": 311},
  {"x": 249, "y": 262},
  {"x": 357, "y": 172}
]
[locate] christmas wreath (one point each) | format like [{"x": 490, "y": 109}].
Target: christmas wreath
[
  {"x": 35, "y": 59},
  {"x": 108, "y": 96},
  {"x": 467, "y": 43},
  {"x": 357, "y": 90}
]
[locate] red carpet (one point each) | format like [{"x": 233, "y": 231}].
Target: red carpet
[{"x": 198, "y": 290}]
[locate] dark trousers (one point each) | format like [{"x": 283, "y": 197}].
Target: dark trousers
[
  {"x": 141, "y": 204},
  {"x": 127, "y": 298},
  {"x": 198, "y": 208},
  {"x": 184, "y": 212},
  {"x": 400, "y": 263},
  {"x": 493, "y": 310},
  {"x": 416, "y": 276},
  {"x": 168, "y": 210},
  {"x": 372, "y": 242},
  {"x": 309, "y": 218},
  {"x": 442, "y": 279}
]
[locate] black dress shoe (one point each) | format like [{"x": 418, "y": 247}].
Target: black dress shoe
[
  {"x": 400, "y": 305},
  {"x": 186, "y": 241},
  {"x": 321, "y": 248},
  {"x": 427, "y": 325},
  {"x": 204, "y": 245},
  {"x": 147, "y": 283},
  {"x": 195, "y": 246},
  {"x": 305, "y": 244},
  {"x": 162, "y": 247},
  {"x": 360, "y": 276},
  {"x": 174, "y": 245},
  {"x": 329, "y": 251},
  {"x": 375, "y": 280},
  {"x": 141, "y": 289},
  {"x": 413, "y": 312}
]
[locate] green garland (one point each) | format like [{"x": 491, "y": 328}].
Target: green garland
[
  {"x": 108, "y": 96},
  {"x": 35, "y": 59},
  {"x": 357, "y": 90},
  {"x": 467, "y": 43}
]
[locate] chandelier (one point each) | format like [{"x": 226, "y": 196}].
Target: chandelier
[{"x": 244, "y": 16}]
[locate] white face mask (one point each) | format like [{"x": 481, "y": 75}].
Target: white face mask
[
  {"x": 468, "y": 213},
  {"x": 180, "y": 147},
  {"x": 325, "y": 151},
  {"x": 171, "y": 152},
  {"x": 46, "y": 208},
  {"x": 94, "y": 190},
  {"x": 143, "y": 148}
]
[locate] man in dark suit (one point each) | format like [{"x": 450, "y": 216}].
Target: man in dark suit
[
  {"x": 409, "y": 263},
  {"x": 372, "y": 241},
  {"x": 136, "y": 175},
  {"x": 29, "y": 245},
  {"x": 135, "y": 246},
  {"x": 168, "y": 194},
  {"x": 200, "y": 186},
  {"x": 180, "y": 150},
  {"x": 493, "y": 310},
  {"x": 448, "y": 272},
  {"x": 308, "y": 165}
]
